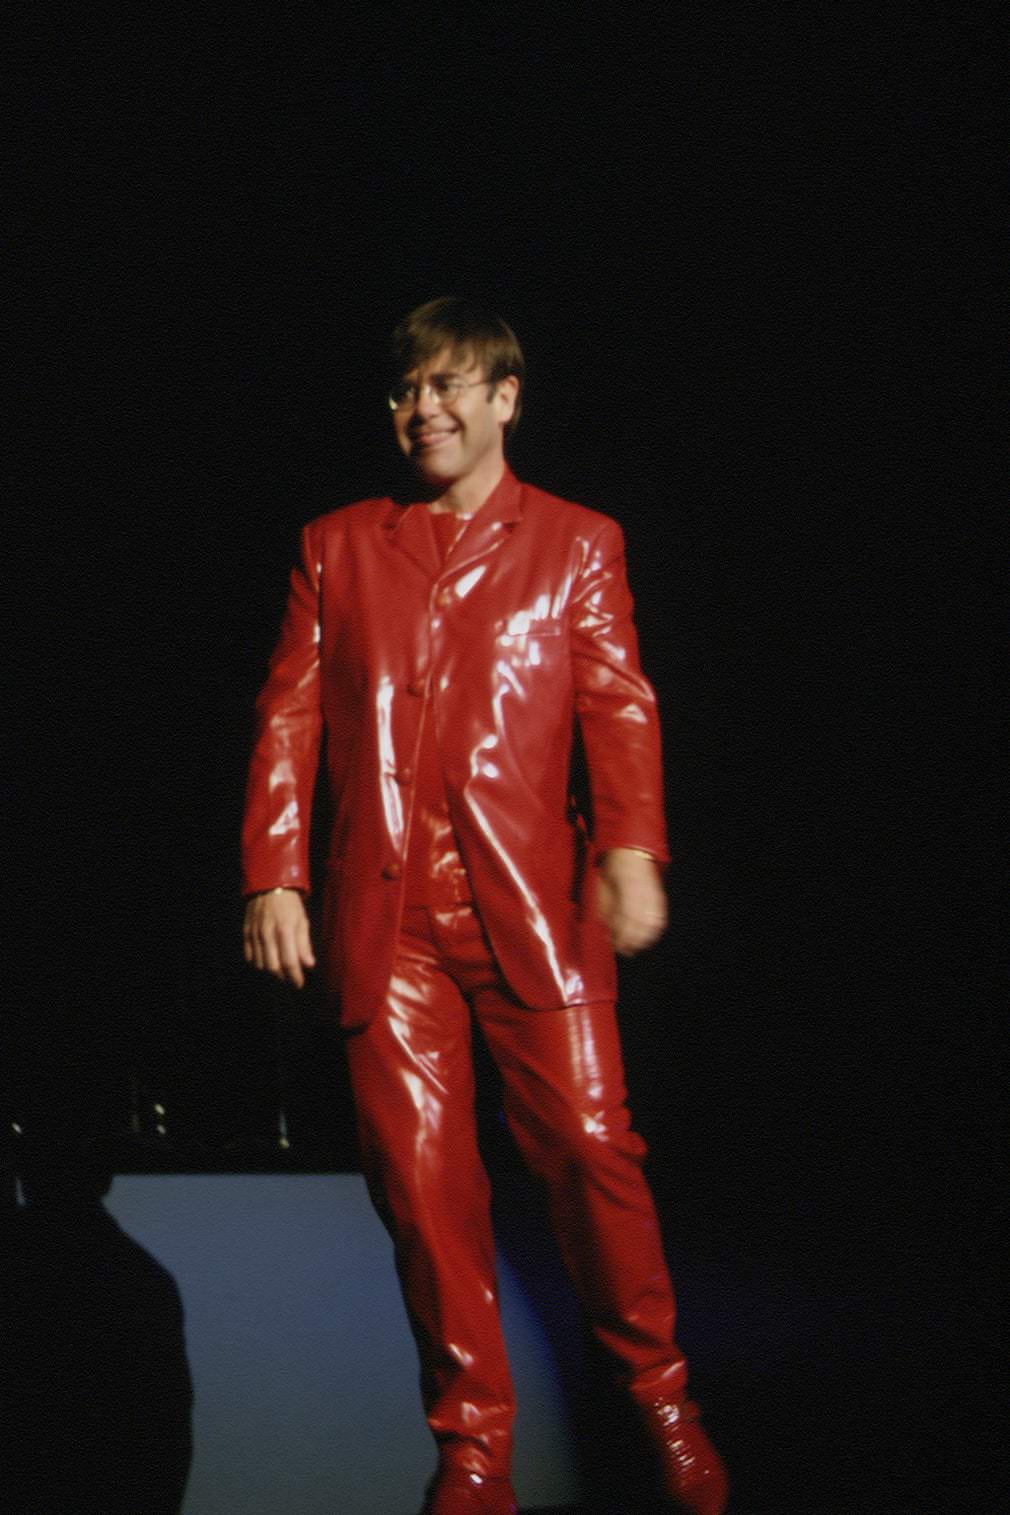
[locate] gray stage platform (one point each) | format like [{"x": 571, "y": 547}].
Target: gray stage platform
[{"x": 304, "y": 1370}]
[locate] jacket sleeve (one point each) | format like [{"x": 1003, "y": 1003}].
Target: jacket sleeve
[
  {"x": 282, "y": 773},
  {"x": 616, "y": 705}
]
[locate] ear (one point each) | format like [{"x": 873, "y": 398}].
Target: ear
[{"x": 505, "y": 396}]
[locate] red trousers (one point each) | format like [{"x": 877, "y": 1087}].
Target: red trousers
[{"x": 564, "y": 1099}]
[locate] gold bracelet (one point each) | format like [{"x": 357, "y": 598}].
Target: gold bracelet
[{"x": 639, "y": 852}]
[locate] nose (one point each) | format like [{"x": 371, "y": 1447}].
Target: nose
[{"x": 426, "y": 403}]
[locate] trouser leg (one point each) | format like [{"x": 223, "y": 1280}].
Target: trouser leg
[
  {"x": 564, "y": 1096},
  {"x": 412, "y": 1076}
]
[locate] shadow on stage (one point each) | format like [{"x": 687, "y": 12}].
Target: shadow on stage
[{"x": 97, "y": 1391}]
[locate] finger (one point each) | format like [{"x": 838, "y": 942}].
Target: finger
[
  {"x": 271, "y": 955},
  {"x": 252, "y": 936},
  {"x": 633, "y": 935},
  {"x": 291, "y": 967},
  {"x": 305, "y": 951}
]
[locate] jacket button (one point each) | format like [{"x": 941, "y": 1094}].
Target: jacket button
[
  {"x": 416, "y": 687},
  {"x": 444, "y": 598},
  {"x": 404, "y": 775},
  {"x": 392, "y": 870}
]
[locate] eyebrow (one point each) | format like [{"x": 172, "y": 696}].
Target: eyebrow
[{"x": 444, "y": 373}]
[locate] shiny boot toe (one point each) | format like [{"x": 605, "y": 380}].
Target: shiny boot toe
[
  {"x": 692, "y": 1472},
  {"x": 454, "y": 1491}
]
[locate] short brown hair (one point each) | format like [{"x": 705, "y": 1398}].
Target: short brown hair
[{"x": 468, "y": 328}]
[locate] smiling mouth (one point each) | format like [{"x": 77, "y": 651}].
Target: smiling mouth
[{"x": 427, "y": 439}]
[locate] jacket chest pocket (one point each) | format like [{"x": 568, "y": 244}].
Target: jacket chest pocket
[
  {"x": 524, "y": 645},
  {"x": 523, "y": 626}
]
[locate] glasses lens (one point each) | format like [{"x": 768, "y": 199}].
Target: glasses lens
[{"x": 441, "y": 387}]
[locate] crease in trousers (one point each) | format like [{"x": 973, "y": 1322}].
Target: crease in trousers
[{"x": 564, "y": 1100}]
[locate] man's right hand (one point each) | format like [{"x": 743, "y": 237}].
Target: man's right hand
[{"x": 276, "y": 935}]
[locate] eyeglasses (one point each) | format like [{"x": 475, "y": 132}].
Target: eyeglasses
[{"x": 443, "y": 389}]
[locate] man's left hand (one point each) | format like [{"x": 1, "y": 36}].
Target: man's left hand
[{"x": 630, "y": 900}]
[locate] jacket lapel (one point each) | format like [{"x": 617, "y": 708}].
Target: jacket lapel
[
  {"x": 490, "y": 527},
  {"x": 409, "y": 528}
]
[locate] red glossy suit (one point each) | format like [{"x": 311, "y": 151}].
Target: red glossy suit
[
  {"x": 527, "y": 623},
  {"x": 525, "y": 627}
]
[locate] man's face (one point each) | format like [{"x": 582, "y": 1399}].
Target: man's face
[{"x": 448, "y": 438}]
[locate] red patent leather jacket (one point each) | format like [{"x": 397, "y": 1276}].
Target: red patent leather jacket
[{"x": 526, "y": 626}]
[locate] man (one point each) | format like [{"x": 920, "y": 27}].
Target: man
[{"x": 446, "y": 648}]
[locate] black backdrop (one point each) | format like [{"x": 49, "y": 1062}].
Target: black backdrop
[{"x": 725, "y": 236}]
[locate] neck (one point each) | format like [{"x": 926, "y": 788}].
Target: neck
[{"x": 465, "y": 496}]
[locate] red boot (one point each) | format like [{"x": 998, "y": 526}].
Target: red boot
[
  {"x": 691, "y": 1469},
  {"x": 454, "y": 1491}
]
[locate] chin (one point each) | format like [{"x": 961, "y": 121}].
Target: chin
[{"x": 432, "y": 474}]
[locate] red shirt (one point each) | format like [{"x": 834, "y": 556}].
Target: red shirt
[{"x": 435, "y": 875}]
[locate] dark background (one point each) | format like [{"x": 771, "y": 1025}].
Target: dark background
[{"x": 728, "y": 237}]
